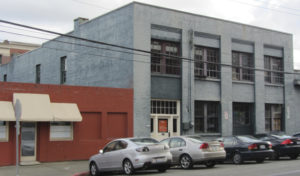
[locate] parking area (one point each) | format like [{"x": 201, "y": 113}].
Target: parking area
[{"x": 283, "y": 167}]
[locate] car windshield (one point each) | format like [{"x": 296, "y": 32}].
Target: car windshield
[
  {"x": 144, "y": 141},
  {"x": 247, "y": 139},
  {"x": 281, "y": 136}
]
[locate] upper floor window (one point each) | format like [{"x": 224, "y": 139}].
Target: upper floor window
[
  {"x": 38, "y": 73},
  {"x": 63, "y": 70},
  {"x": 274, "y": 67},
  {"x": 242, "y": 66},
  {"x": 163, "y": 62},
  {"x": 207, "y": 62}
]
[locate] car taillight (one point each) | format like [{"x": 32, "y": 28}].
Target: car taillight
[
  {"x": 222, "y": 144},
  {"x": 286, "y": 142},
  {"x": 142, "y": 149},
  {"x": 270, "y": 146},
  {"x": 204, "y": 146},
  {"x": 252, "y": 147}
]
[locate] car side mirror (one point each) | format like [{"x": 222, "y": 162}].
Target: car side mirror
[{"x": 100, "y": 151}]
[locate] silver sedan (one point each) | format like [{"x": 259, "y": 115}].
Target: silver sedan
[
  {"x": 130, "y": 154},
  {"x": 190, "y": 150}
]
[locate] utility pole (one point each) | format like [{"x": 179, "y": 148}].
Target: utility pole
[{"x": 18, "y": 111}]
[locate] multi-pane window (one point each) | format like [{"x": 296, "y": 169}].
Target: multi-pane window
[
  {"x": 61, "y": 131},
  {"x": 161, "y": 57},
  {"x": 63, "y": 70},
  {"x": 206, "y": 117},
  {"x": 207, "y": 62},
  {"x": 242, "y": 66},
  {"x": 38, "y": 73},
  {"x": 163, "y": 107},
  {"x": 3, "y": 131},
  {"x": 273, "y": 117},
  {"x": 242, "y": 113},
  {"x": 5, "y": 78},
  {"x": 274, "y": 67}
]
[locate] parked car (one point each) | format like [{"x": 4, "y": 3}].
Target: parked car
[
  {"x": 130, "y": 154},
  {"x": 297, "y": 135},
  {"x": 283, "y": 145},
  {"x": 190, "y": 150},
  {"x": 246, "y": 148}
]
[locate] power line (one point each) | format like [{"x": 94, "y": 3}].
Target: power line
[{"x": 139, "y": 50}]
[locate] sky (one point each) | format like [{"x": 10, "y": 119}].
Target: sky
[{"x": 58, "y": 15}]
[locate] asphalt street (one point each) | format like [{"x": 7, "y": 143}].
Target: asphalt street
[{"x": 284, "y": 167}]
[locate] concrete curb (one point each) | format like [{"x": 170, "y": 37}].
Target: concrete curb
[{"x": 82, "y": 174}]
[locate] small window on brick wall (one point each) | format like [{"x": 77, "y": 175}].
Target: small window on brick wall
[
  {"x": 162, "y": 61},
  {"x": 3, "y": 131},
  {"x": 61, "y": 131}
]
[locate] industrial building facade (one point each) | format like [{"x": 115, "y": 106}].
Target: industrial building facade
[{"x": 214, "y": 77}]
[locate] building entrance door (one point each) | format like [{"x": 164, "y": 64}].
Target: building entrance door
[
  {"x": 165, "y": 119},
  {"x": 28, "y": 142}
]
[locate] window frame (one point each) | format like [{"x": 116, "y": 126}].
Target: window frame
[
  {"x": 239, "y": 74},
  {"x": 71, "y": 138},
  {"x": 6, "y": 138},
  {"x": 204, "y": 105},
  {"x": 63, "y": 70},
  {"x": 204, "y": 63},
  {"x": 159, "y": 60},
  {"x": 238, "y": 107},
  {"x": 5, "y": 78},
  {"x": 272, "y": 114},
  {"x": 269, "y": 63},
  {"x": 38, "y": 74}
]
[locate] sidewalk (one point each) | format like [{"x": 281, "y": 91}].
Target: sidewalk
[{"x": 70, "y": 168}]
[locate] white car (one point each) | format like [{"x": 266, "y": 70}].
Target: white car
[{"x": 130, "y": 154}]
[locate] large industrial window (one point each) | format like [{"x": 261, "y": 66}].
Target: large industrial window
[
  {"x": 206, "y": 117},
  {"x": 63, "y": 70},
  {"x": 3, "y": 131},
  {"x": 242, "y": 113},
  {"x": 242, "y": 66},
  {"x": 274, "y": 67},
  {"x": 163, "y": 107},
  {"x": 207, "y": 62},
  {"x": 38, "y": 73},
  {"x": 162, "y": 61},
  {"x": 273, "y": 117},
  {"x": 61, "y": 131}
]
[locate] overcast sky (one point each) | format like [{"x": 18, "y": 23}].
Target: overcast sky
[{"x": 58, "y": 15}]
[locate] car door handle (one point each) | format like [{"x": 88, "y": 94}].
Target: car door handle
[{"x": 180, "y": 150}]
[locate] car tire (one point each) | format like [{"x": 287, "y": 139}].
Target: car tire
[
  {"x": 260, "y": 160},
  {"x": 210, "y": 164},
  {"x": 295, "y": 156},
  {"x": 162, "y": 169},
  {"x": 274, "y": 156},
  {"x": 94, "y": 171},
  {"x": 128, "y": 167},
  {"x": 237, "y": 158},
  {"x": 186, "y": 162}
]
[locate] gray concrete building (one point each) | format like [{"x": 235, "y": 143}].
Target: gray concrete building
[{"x": 232, "y": 80}]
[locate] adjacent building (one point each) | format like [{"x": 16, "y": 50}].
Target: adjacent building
[{"x": 204, "y": 76}]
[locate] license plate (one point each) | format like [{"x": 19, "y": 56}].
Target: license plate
[
  {"x": 158, "y": 160},
  {"x": 262, "y": 147},
  {"x": 214, "y": 148}
]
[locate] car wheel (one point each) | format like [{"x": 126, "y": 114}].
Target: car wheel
[
  {"x": 94, "y": 169},
  {"x": 210, "y": 164},
  {"x": 128, "y": 167},
  {"x": 260, "y": 160},
  {"x": 237, "y": 158},
  {"x": 295, "y": 156},
  {"x": 162, "y": 169},
  {"x": 274, "y": 156},
  {"x": 186, "y": 162}
]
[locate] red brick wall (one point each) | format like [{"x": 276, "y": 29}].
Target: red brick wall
[{"x": 96, "y": 106}]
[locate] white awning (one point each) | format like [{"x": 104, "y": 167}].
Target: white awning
[
  {"x": 33, "y": 107},
  {"x": 7, "y": 112},
  {"x": 67, "y": 112}
]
